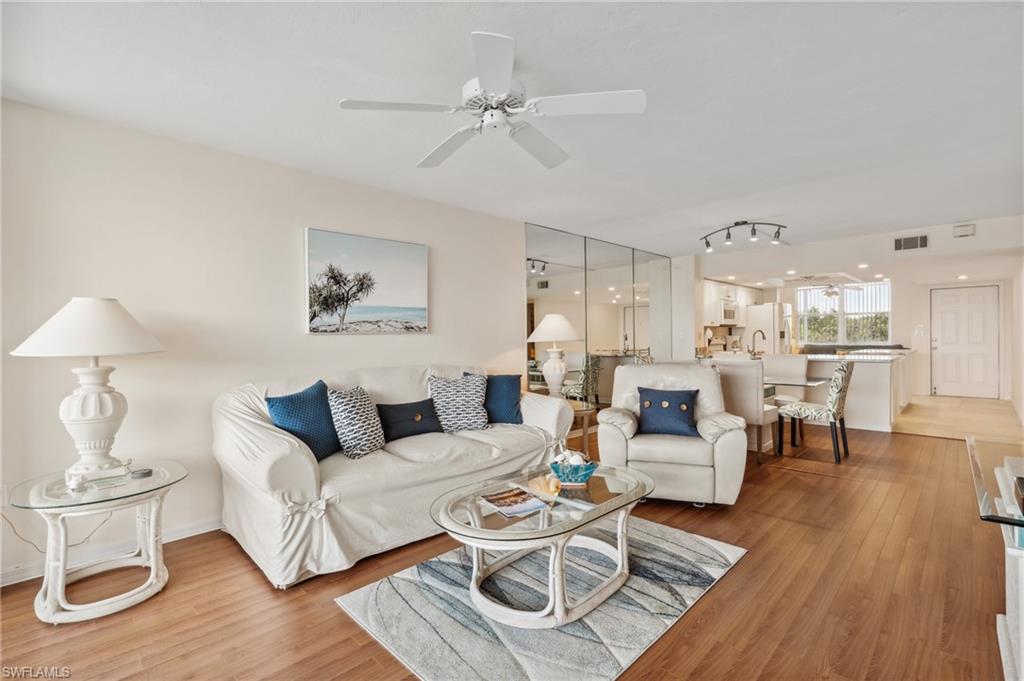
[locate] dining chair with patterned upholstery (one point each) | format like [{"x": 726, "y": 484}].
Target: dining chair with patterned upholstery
[
  {"x": 643, "y": 357},
  {"x": 832, "y": 411},
  {"x": 585, "y": 387}
]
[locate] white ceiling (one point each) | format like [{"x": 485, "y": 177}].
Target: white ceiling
[{"x": 836, "y": 119}]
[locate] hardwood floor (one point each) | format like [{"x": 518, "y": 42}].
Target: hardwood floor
[
  {"x": 958, "y": 417},
  {"x": 878, "y": 568}
]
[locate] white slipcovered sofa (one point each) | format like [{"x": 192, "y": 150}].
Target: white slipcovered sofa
[
  {"x": 705, "y": 469},
  {"x": 297, "y": 518}
]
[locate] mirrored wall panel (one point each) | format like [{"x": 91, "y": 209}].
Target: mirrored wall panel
[
  {"x": 652, "y": 300},
  {"x": 555, "y": 285},
  {"x": 592, "y": 305}
]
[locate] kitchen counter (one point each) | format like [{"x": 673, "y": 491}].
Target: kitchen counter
[
  {"x": 879, "y": 388},
  {"x": 866, "y": 357}
]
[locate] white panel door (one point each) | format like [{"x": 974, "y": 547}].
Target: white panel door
[{"x": 965, "y": 341}]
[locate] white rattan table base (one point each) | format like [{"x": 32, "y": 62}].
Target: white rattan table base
[
  {"x": 51, "y": 604},
  {"x": 560, "y": 608}
]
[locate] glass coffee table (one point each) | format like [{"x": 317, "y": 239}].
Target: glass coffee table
[{"x": 568, "y": 510}]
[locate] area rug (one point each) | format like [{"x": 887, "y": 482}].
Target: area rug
[{"x": 423, "y": 615}]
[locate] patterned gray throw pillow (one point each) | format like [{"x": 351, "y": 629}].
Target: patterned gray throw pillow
[
  {"x": 459, "y": 402},
  {"x": 356, "y": 421}
]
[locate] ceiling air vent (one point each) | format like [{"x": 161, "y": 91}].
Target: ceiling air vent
[
  {"x": 961, "y": 231},
  {"x": 909, "y": 243},
  {"x": 542, "y": 284}
]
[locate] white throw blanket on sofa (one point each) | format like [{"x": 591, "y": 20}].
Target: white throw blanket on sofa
[{"x": 297, "y": 518}]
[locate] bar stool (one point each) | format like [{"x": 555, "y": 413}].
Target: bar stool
[{"x": 832, "y": 411}]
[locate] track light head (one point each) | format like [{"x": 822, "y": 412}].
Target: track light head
[
  {"x": 777, "y": 236},
  {"x": 753, "y": 233},
  {"x": 533, "y": 267},
  {"x": 543, "y": 267},
  {"x": 728, "y": 237},
  {"x": 707, "y": 246}
]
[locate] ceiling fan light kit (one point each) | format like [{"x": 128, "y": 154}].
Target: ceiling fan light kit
[
  {"x": 776, "y": 236},
  {"x": 495, "y": 99}
]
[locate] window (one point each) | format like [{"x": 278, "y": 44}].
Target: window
[{"x": 859, "y": 314}]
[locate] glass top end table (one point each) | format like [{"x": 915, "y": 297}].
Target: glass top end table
[{"x": 49, "y": 496}]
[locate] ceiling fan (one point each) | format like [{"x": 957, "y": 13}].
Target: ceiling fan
[
  {"x": 830, "y": 282},
  {"x": 496, "y": 99}
]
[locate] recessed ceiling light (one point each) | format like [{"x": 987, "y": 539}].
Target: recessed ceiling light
[
  {"x": 618, "y": 295},
  {"x": 576, "y": 293},
  {"x": 731, "y": 277},
  {"x": 790, "y": 271},
  {"x": 863, "y": 266},
  {"x": 760, "y": 283},
  {"x": 961, "y": 276},
  {"x": 879, "y": 276},
  {"x": 611, "y": 288}
]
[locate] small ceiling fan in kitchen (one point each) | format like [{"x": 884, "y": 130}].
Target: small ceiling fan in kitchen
[
  {"x": 830, "y": 282},
  {"x": 498, "y": 101}
]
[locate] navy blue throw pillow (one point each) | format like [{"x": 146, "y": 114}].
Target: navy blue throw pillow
[
  {"x": 307, "y": 416},
  {"x": 668, "y": 412},
  {"x": 410, "y": 418},
  {"x": 502, "y": 400}
]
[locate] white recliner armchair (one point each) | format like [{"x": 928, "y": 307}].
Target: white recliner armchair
[{"x": 705, "y": 469}]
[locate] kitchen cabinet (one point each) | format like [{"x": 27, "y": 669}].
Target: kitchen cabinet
[
  {"x": 714, "y": 293},
  {"x": 744, "y": 297}
]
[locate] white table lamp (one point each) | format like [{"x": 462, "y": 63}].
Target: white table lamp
[
  {"x": 92, "y": 414},
  {"x": 554, "y": 328}
]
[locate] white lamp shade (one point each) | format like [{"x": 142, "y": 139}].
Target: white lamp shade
[
  {"x": 89, "y": 327},
  {"x": 554, "y": 328}
]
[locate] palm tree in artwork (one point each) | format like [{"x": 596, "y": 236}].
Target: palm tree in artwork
[{"x": 334, "y": 292}]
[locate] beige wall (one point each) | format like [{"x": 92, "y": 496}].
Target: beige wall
[{"x": 206, "y": 249}]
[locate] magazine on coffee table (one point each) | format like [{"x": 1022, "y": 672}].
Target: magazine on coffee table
[{"x": 514, "y": 503}]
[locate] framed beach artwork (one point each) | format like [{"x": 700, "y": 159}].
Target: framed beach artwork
[{"x": 363, "y": 285}]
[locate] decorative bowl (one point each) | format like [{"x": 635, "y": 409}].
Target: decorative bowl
[{"x": 573, "y": 474}]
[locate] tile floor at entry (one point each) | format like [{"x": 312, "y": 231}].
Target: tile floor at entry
[{"x": 958, "y": 417}]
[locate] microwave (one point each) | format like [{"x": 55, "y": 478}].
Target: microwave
[{"x": 728, "y": 313}]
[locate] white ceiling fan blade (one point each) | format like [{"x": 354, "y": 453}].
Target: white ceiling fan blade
[
  {"x": 445, "y": 149},
  {"x": 617, "y": 102},
  {"x": 365, "y": 105},
  {"x": 495, "y": 55},
  {"x": 537, "y": 145}
]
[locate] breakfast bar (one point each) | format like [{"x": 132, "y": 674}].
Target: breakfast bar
[{"x": 879, "y": 388}]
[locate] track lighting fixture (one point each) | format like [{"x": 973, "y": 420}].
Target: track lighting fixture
[
  {"x": 537, "y": 264},
  {"x": 754, "y": 236}
]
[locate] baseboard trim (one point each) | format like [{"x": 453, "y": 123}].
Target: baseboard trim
[{"x": 21, "y": 572}]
